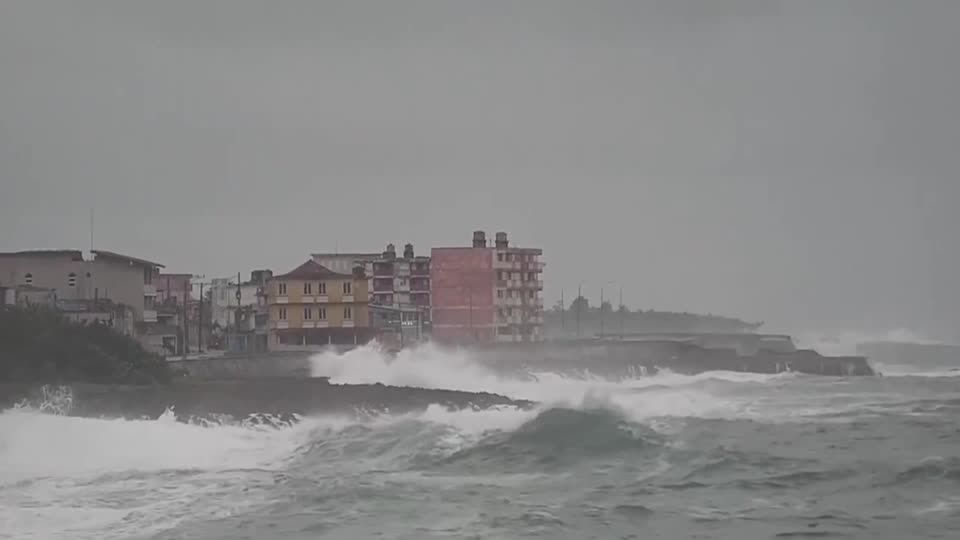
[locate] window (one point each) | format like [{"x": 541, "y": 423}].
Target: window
[
  {"x": 532, "y": 294},
  {"x": 499, "y": 293},
  {"x": 321, "y": 288},
  {"x": 500, "y": 257},
  {"x": 347, "y": 287},
  {"x": 28, "y": 278},
  {"x": 322, "y": 314},
  {"x": 282, "y": 289},
  {"x": 308, "y": 288},
  {"x": 71, "y": 280},
  {"x": 282, "y": 314},
  {"x": 347, "y": 313},
  {"x": 531, "y": 276},
  {"x": 307, "y": 314}
]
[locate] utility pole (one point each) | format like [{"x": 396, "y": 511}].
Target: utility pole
[
  {"x": 563, "y": 310},
  {"x": 186, "y": 322},
  {"x": 200, "y": 321},
  {"x": 579, "y": 301},
  {"x": 601, "y": 312},
  {"x": 621, "y": 308},
  {"x": 236, "y": 318}
]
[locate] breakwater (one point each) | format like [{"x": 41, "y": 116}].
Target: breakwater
[
  {"x": 619, "y": 358},
  {"x": 239, "y": 398}
]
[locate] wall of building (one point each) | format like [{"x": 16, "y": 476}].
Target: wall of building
[
  {"x": 49, "y": 271},
  {"x": 173, "y": 288},
  {"x": 334, "y": 291},
  {"x": 103, "y": 278},
  {"x": 335, "y": 315},
  {"x": 463, "y": 291},
  {"x": 223, "y": 298},
  {"x": 296, "y": 330},
  {"x": 125, "y": 283}
]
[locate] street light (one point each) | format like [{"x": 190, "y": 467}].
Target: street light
[
  {"x": 579, "y": 302},
  {"x": 601, "y": 305}
]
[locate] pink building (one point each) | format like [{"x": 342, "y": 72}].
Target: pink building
[
  {"x": 173, "y": 288},
  {"x": 487, "y": 294}
]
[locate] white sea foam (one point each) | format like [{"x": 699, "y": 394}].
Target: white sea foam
[{"x": 665, "y": 394}]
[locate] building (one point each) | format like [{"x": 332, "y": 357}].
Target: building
[
  {"x": 174, "y": 289},
  {"x": 240, "y": 323},
  {"x": 313, "y": 306},
  {"x": 402, "y": 283},
  {"x": 223, "y": 296},
  {"x": 343, "y": 263},
  {"x": 77, "y": 284},
  {"x": 487, "y": 294}
]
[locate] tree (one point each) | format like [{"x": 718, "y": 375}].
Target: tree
[
  {"x": 606, "y": 307},
  {"x": 580, "y": 303},
  {"x": 558, "y": 307}
]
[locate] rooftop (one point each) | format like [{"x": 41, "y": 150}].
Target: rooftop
[
  {"x": 75, "y": 253},
  {"x": 312, "y": 270},
  {"x": 511, "y": 249},
  {"x": 112, "y": 255},
  {"x": 357, "y": 255}
]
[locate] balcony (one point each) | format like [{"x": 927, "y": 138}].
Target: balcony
[
  {"x": 420, "y": 270},
  {"x": 149, "y": 290},
  {"x": 149, "y": 315},
  {"x": 382, "y": 270},
  {"x": 382, "y": 285}
]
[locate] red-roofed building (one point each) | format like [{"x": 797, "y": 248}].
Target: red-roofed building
[{"x": 313, "y": 306}]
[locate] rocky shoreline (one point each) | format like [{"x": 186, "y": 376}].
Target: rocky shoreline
[{"x": 240, "y": 398}]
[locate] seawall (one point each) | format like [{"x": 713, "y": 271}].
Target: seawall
[
  {"x": 251, "y": 366},
  {"x": 631, "y": 358}
]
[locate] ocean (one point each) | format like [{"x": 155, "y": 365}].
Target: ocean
[{"x": 716, "y": 455}]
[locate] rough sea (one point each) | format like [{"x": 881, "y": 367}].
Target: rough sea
[{"x": 717, "y": 455}]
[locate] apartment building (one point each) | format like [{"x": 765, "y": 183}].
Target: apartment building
[
  {"x": 315, "y": 306},
  {"x": 76, "y": 283},
  {"x": 400, "y": 281},
  {"x": 69, "y": 276},
  {"x": 487, "y": 294}
]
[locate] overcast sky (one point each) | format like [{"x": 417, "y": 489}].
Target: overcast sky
[{"x": 794, "y": 162}]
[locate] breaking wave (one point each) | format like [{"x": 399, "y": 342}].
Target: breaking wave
[{"x": 620, "y": 448}]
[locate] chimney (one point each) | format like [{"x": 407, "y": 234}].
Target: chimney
[
  {"x": 502, "y": 240},
  {"x": 408, "y": 251},
  {"x": 390, "y": 253},
  {"x": 479, "y": 239}
]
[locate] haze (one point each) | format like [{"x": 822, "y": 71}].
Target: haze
[{"x": 793, "y": 162}]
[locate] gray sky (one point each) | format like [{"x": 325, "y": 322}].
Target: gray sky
[{"x": 794, "y": 162}]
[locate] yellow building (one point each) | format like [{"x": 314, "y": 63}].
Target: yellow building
[{"x": 313, "y": 305}]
